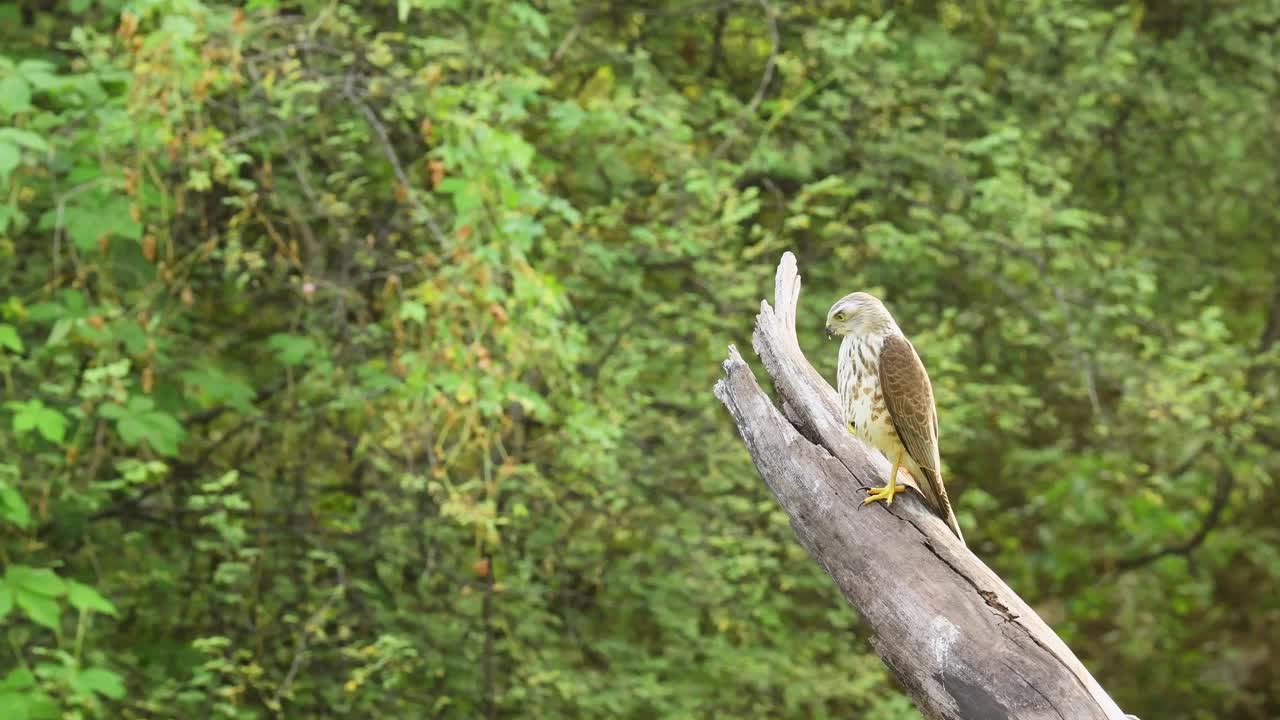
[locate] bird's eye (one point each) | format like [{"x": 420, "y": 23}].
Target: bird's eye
[{"x": 839, "y": 317}]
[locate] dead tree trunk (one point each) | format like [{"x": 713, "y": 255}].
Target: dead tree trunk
[{"x": 963, "y": 644}]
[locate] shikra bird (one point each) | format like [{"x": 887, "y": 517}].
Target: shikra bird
[{"x": 888, "y": 400}]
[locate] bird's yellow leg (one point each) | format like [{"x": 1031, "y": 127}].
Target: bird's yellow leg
[{"x": 887, "y": 492}]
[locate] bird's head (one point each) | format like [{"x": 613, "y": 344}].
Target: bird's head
[{"x": 859, "y": 314}]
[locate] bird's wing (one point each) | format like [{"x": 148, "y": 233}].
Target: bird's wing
[{"x": 909, "y": 397}]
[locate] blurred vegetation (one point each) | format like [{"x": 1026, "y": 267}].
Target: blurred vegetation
[{"x": 356, "y": 356}]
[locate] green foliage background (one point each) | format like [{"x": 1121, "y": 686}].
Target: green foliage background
[{"x": 356, "y": 356}]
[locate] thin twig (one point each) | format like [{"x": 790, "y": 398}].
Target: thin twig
[
  {"x": 569, "y": 38},
  {"x": 304, "y": 640},
  {"x": 766, "y": 79},
  {"x": 381, "y": 131},
  {"x": 1221, "y": 494}
]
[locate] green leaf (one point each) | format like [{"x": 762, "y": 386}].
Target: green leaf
[
  {"x": 41, "y": 609},
  {"x": 10, "y": 158},
  {"x": 99, "y": 680},
  {"x": 220, "y": 387},
  {"x": 15, "y": 95},
  {"x": 18, "y": 678},
  {"x": 40, "y": 581},
  {"x": 109, "y": 216},
  {"x": 141, "y": 422},
  {"x": 33, "y": 415},
  {"x": 28, "y": 705},
  {"x": 84, "y": 597},
  {"x": 199, "y": 180},
  {"x": 1072, "y": 218},
  {"x": 24, "y": 138},
  {"x": 12, "y": 507},
  {"x": 292, "y": 349},
  {"x": 15, "y": 703},
  {"x": 9, "y": 338},
  {"x": 31, "y": 67},
  {"x": 42, "y": 707},
  {"x": 413, "y": 311},
  {"x": 182, "y": 27},
  {"x": 6, "y": 600},
  {"x": 530, "y": 18},
  {"x": 82, "y": 227}
]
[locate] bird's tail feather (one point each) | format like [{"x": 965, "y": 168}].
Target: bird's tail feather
[
  {"x": 937, "y": 496},
  {"x": 954, "y": 524}
]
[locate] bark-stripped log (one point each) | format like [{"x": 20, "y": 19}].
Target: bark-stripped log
[{"x": 963, "y": 644}]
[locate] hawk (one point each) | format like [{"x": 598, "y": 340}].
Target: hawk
[{"x": 888, "y": 400}]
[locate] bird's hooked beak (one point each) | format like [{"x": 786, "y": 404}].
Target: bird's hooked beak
[{"x": 830, "y": 333}]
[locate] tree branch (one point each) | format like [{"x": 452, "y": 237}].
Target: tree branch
[
  {"x": 766, "y": 79},
  {"x": 1221, "y": 494},
  {"x": 389, "y": 150},
  {"x": 961, "y": 643},
  {"x": 1226, "y": 480}
]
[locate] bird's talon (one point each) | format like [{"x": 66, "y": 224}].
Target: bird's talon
[{"x": 882, "y": 493}]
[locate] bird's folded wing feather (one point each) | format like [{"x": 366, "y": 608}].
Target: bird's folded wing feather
[{"x": 909, "y": 398}]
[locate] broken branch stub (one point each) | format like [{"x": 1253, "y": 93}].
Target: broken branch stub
[{"x": 962, "y": 644}]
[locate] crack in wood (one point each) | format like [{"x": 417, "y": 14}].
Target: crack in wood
[{"x": 1037, "y": 690}]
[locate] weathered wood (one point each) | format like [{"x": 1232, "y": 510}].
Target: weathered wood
[{"x": 963, "y": 644}]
